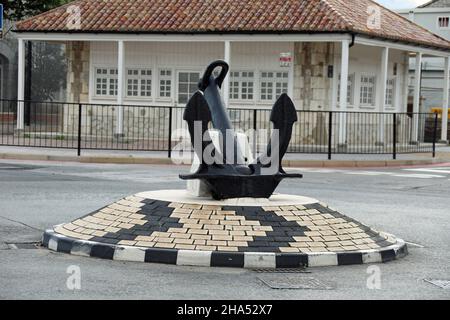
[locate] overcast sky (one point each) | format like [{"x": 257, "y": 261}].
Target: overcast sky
[{"x": 401, "y": 4}]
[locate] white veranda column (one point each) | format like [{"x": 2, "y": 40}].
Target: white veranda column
[
  {"x": 382, "y": 94},
  {"x": 21, "y": 84},
  {"x": 343, "y": 92},
  {"x": 416, "y": 105},
  {"x": 120, "y": 87},
  {"x": 226, "y": 83},
  {"x": 444, "y": 136}
]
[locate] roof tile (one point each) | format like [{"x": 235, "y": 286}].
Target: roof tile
[{"x": 233, "y": 16}]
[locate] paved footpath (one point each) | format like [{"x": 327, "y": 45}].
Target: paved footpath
[{"x": 37, "y": 194}]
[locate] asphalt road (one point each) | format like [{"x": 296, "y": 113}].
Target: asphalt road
[{"x": 412, "y": 203}]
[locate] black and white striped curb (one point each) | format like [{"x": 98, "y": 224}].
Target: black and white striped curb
[{"x": 60, "y": 243}]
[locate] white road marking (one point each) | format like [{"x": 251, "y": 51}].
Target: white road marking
[
  {"x": 418, "y": 176},
  {"x": 369, "y": 173},
  {"x": 435, "y": 170},
  {"x": 414, "y": 244}
]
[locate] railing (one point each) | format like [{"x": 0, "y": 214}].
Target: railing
[{"x": 152, "y": 128}]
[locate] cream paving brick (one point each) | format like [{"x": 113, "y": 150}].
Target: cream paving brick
[
  {"x": 243, "y": 238},
  {"x": 206, "y": 248},
  {"x": 112, "y": 229},
  {"x": 312, "y": 234},
  {"x": 221, "y": 237},
  {"x": 126, "y": 226},
  {"x": 181, "y": 235},
  {"x": 183, "y": 241},
  {"x": 219, "y": 232},
  {"x": 242, "y": 228},
  {"x": 330, "y": 238},
  {"x": 317, "y": 239},
  {"x": 325, "y": 228},
  {"x": 363, "y": 247},
  {"x": 209, "y": 207},
  {"x": 231, "y": 223},
  {"x": 304, "y": 250},
  {"x": 237, "y": 233},
  {"x": 89, "y": 231},
  {"x": 144, "y": 238},
  {"x": 182, "y": 210},
  {"x": 209, "y": 221},
  {"x": 289, "y": 250},
  {"x": 333, "y": 244},
  {"x": 175, "y": 205},
  {"x": 288, "y": 208},
  {"x": 327, "y": 233},
  {"x": 124, "y": 220},
  {"x": 315, "y": 244},
  {"x": 164, "y": 245},
  {"x": 318, "y": 249},
  {"x": 70, "y": 226},
  {"x": 271, "y": 209},
  {"x": 216, "y": 243},
  {"x": 185, "y": 246},
  {"x": 107, "y": 210},
  {"x": 320, "y": 222},
  {"x": 251, "y": 223},
  {"x": 163, "y": 240},
  {"x": 197, "y": 231},
  {"x": 137, "y": 216},
  {"x": 299, "y": 244},
  {"x": 284, "y": 213},
  {"x": 200, "y": 242},
  {"x": 180, "y": 215},
  {"x": 201, "y": 237},
  {"x": 145, "y": 244},
  {"x": 305, "y": 223},
  {"x": 227, "y": 249},
  {"x": 177, "y": 230},
  {"x": 127, "y": 242},
  {"x": 350, "y": 248},
  {"x": 346, "y": 243},
  {"x": 335, "y": 249},
  {"x": 293, "y": 218},
  {"x": 256, "y": 233},
  {"x": 262, "y": 228},
  {"x": 213, "y": 227},
  {"x": 188, "y": 221},
  {"x": 192, "y": 206},
  {"x": 110, "y": 217},
  {"x": 225, "y": 213},
  {"x": 344, "y": 237},
  {"x": 299, "y": 207},
  {"x": 234, "y": 218},
  {"x": 99, "y": 233},
  {"x": 193, "y": 226},
  {"x": 237, "y": 244},
  {"x": 79, "y": 230}
]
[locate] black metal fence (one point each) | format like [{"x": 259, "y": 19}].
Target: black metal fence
[{"x": 153, "y": 128}]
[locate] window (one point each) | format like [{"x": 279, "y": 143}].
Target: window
[
  {"x": 273, "y": 85},
  {"x": 444, "y": 22},
  {"x": 106, "y": 81},
  {"x": 350, "y": 89},
  {"x": 139, "y": 83},
  {"x": 165, "y": 83},
  {"x": 368, "y": 86},
  {"x": 187, "y": 85},
  {"x": 390, "y": 92},
  {"x": 242, "y": 85}
]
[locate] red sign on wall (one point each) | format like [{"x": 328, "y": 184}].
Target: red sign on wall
[{"x": 285, "y": 59}]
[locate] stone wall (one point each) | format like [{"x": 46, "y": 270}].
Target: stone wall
[
  {"x": 312, "y": 87},
  {"x": 78, "y": 71}
]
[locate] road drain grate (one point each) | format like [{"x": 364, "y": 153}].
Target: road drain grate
[
  {"x": 294, "y": 281},
  {"x": 23, "y": 245},
  {"x": 443, "y": 284}
]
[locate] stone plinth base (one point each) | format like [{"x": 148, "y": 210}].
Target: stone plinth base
[{"x": 172, "y": 227}]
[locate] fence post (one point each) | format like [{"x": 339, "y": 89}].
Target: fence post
[
  {"x": 170, "y": 134},
  {"x": 255, "y": 137},
  {"x": 435, "y": 134},
  {"x": 394, "y": 136},
  {"x": 79, "y": 129},
  {"x": 330, "y": 133}
]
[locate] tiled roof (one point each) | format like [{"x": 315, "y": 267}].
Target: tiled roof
[{"x": 233, "y": 16}]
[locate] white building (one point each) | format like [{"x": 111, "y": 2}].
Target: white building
[
  {"x": 434, "y": 16},
  {"x": 346, "y": 55}
]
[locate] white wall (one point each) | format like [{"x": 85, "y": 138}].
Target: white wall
[
  {"x": 185, "y": 56},
  {"x": 367, "y": 60}
]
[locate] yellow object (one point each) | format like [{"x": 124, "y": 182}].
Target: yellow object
[{"x": 439, "y": 111}]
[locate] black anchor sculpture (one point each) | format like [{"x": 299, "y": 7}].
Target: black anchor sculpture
[{"x": 231, "y": 177}]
